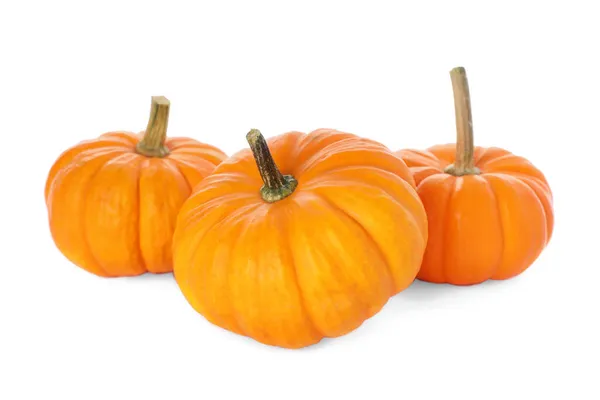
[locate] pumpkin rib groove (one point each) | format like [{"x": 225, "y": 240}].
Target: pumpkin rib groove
[
  {"x": 432, "y": 175},
  {"x": 542, "y": 211},
  {"x": 216, "y": 227},
  {"x": 130, "y": 138},
  {"x": 71, "y": 153},
  {"x": 521, "y": 176},
  {"x": 422, "y": 168},
  {"x": 500, "y": 224},
  {"x": 136, "y": 180},
  {"x": 435, "y": 259},
  {"x": 92, "y": 154},
  {"x": 317, "y": 180},
  {"x": 518, "y": 166},
  {"x": 246, "y": 224},
  {"x": 333, "y": 262},
  {"x": 443, "y": 154},
  {"x": 86, "y": 192},
  {"x": 194, "y": 214},
  {"x": 447, "y": 215},
  {"x": 479, "y": 155},
  {"x": 288, "y": 248},
  {"x": 76, "y": 153},
  {"x": 419, "y": 158},
  {"x": 407, "y": 186},
  {"x": 527, "y": 188},
  {"x": 243, "y": 213},
  {"x": 179, "y": 145},
  {"x": 341, "y": 140},
  {"x": 540, "y": 206},
  {"x": 209, "y": 312},
  {"x": 103, "y": 143},
  {"x": 195, "y": 244},
  {"x": 233, "y": 317},
  {"x": 138, "y": 244},
  {"x": 192, "y": 161},
  {"x": 523, "y": 179},
  {"x": 175, "y": 165},
  {"x": 430, "y": 156},
  {"x": 231, "y": 176},
  {"x": 484, "y": 155},
  {"x": 280, "y": 221},
  {"x": 410, "y": 216},
  {"x": 375, "y": 245},
  {"x": 422, "y": 172},
  {"x": 189, "y": 151},
  {"x": 535, "y": 183},
  {"x": 491, "y": 153},
  {"x": 139, "y": 212},
  {"x": 496, "y": 159},
  {"x": 305, "y": 142},
  {"x": 526, "y": 179},
  {"x": 177, "y": 142},
  {"x": 318, "y": 159},
  {"x": 75, "y": 165},
  {"x": 217, "y": 224}
]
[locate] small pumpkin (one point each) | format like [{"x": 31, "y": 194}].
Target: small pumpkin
[
  {"x": 490, "y": 212},
  {"x": 113, "y": 201},
  {"x": 303, "y": 237}
]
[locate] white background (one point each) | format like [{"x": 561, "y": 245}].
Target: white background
[{"x": 73, "y": 70}]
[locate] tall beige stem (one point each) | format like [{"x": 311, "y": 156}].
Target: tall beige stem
[
  {"x": 153, "y": 142},
  {"x": 464, "y": 163}
]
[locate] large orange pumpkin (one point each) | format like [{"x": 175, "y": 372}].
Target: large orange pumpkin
[
  {"x": 490, "y": 212},
  {"x": 290, "y": 257},
  {"x": 113, "y": 201}
]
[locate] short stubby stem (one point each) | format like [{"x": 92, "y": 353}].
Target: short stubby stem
[
  {"x": 464, "y": 164},
  {"x": 153, "y": 142},
  {"x": 276, "y": 186}
]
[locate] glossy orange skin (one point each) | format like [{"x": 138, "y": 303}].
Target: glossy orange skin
[
  {"x": 487, "y": 226},
  {"x": 315, "y": 264},
  {"x": 112, "y": 211}
]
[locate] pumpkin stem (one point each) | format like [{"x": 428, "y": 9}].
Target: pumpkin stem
[
  {"x": 153, "y": 142},
  {"x": 464, "y": 164},
  {"x": 276, "y": 186}
]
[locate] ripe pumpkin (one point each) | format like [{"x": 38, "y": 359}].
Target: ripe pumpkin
[
  {"x": 113, "y": 201},
  {"x": 290, "y": 257},
  {"x": 490, "y": 212}
]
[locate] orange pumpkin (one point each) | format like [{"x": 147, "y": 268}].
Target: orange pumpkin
[
  {"x": 113, "y": 201},
  {"x": 490, "y": 212},
  {"x": 290, "y": 257}
]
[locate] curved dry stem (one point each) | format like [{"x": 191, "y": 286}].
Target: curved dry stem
[
  {"x": 276, "y": 186},
  {"x": 153, "y": 142},
  {"x": 464, "y": 164}
]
